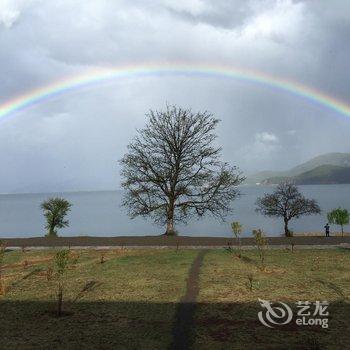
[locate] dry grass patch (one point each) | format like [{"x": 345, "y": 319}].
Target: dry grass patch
[
  {"x": 128, "y": 301},
  {"x": 230, "y": 289}
]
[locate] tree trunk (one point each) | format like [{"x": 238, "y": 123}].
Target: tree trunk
[
  {"x": 2, "y": 291},
  {"x": 286, "y": 229},
  {"x": 51, "y": 232},
  {"x": 170, "y": 227},
  {"x": 170, "y": 218},
  {"x": 342, "y": 230},
  {"x": 59, "y": 301}
]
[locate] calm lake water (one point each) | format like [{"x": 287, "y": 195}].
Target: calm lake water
[{"x": 100, "y": 214}]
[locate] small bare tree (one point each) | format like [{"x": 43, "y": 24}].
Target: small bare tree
[
  {"x": 2, "y": 256},
  {"x": 61, "y": 264},
  {"x": 261, "y": 244},
  {"x": 237, "y": 231},
  {"x": 250, "y": 284},
  {"x": 173, "y": 170},
  {"x": 286, "y": 202}
]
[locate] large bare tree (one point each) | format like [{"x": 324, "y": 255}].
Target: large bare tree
[
  {"x": 286, "y": 202},
  {"x": 172, "y": 169}
]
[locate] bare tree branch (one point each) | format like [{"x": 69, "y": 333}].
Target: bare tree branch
[{"x": 173, "y": 171}]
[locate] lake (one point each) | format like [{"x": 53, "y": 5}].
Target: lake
[{"x": 100, "y": 214}]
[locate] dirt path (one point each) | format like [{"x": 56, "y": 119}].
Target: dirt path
[{"x": 184, "y": 319}]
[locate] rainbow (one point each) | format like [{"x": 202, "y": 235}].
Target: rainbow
[{"x": 101, "y": 75}]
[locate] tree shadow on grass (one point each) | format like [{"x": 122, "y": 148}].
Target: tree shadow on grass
[
  {"x": 333, "y": 287},
  {"x": 142, "y": 325},
  {"x": 240, "y": 255},
  {"x": 31, "y": 273},
  {"x": 248, "y": 260}
]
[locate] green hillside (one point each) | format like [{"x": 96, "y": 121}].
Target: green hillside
[
  {"x": 326, "y": 168},
  {"x": 336, "y": 159},
  {"x": 324, "y": 174}
]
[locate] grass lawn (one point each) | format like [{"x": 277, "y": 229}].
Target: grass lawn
[
  {"x": 227, "y": 315},
  {"x": 131, "y": 306},
  {"x": 130, "y": 300}
]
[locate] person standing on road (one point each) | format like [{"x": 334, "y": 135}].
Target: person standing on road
[{"x": 327, "y": 229}]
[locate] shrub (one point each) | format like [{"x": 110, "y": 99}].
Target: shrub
[
  {"x": 2, "y": 256},
  {"x": 250, "y": 278},
  {"x": 237, "y": 231},
  {"x": 261, "y": 243},
  {"x": 61, "y": 264},
  {"x": 292, "y": 244},
  {"x": 339, "y": 217},
  {"x": 55, "y": 211}
]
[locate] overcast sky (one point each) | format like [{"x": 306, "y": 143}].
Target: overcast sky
[{"x": 75, "y": 141}]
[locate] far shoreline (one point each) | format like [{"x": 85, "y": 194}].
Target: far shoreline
[{"x": 74, "y": 191}]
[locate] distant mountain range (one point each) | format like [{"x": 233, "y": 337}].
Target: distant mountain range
[{"x": 330, "y": 168}]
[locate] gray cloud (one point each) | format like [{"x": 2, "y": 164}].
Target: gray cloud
[
  {"x": 219, "y": 14},
  {"x": 74, "y": 142}
]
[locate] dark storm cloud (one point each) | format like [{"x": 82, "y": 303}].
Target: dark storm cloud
[{"x": 74, "y": 142}]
